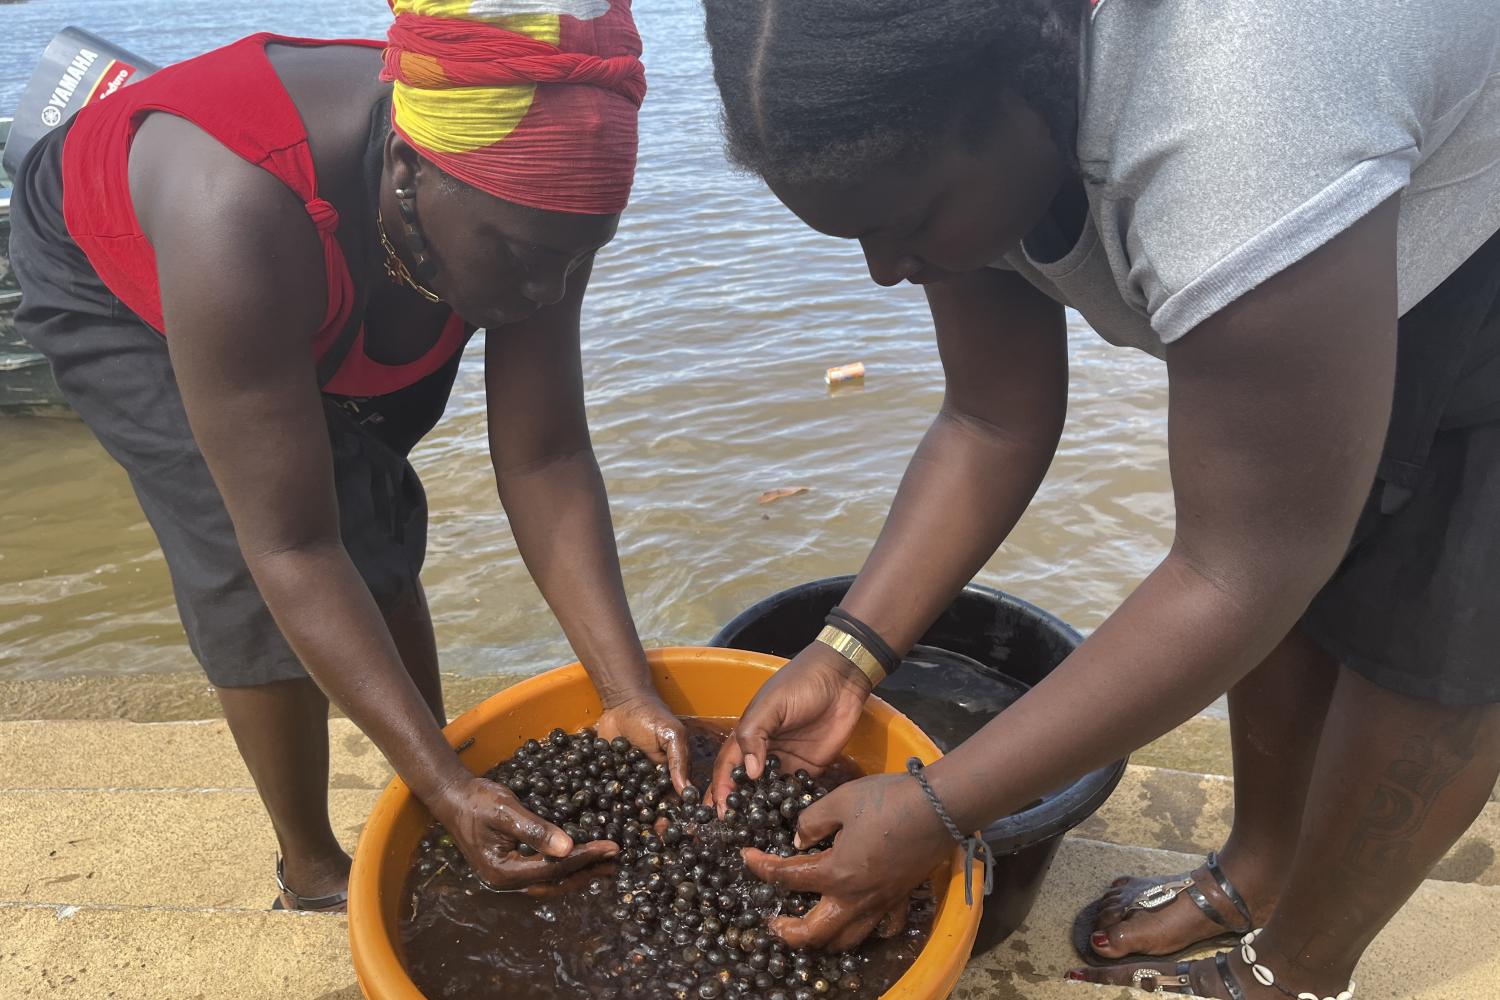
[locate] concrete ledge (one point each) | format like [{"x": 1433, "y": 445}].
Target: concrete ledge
[
  {"x": 75, "y": 776},
  {"x": 1442, "y": 946},
  {"x": 174, "y": 697},
  {"x": 980, "y": 983},
  {"x": 138, "y": 862},
  {"x": 209, "y": 848},
  {"x": 223, "y": 955},
  {"x": 1200, "y": 745},
  {"x": 114, "y": 754},
  {"x": 139, "y": 954},
  {"x": 1192, "y": 813}
]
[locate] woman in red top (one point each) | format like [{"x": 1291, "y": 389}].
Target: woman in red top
[{"x": 254, "y": 274}]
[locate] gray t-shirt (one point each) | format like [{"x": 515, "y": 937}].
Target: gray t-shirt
[{"x": 1224, "y": 141}]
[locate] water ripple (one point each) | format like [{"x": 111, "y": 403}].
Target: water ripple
[{"x": 707, "y": 329}]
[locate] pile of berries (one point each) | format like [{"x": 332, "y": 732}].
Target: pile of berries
[{"x": 692, "y": 920}]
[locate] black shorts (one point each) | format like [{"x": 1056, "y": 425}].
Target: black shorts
[
  {"x": 1415, "y": 605},
  {"x": 115, "y": 372}
]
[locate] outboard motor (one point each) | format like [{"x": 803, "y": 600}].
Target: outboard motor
[{"x": 77, "y": 68}]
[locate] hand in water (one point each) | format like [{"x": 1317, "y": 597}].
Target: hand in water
[
  {"x": 508, "y": 846},
  {"x": 887, "y": 841},
  {"x": 804, "y": 714},
  {"x": 647, "y": 722}
]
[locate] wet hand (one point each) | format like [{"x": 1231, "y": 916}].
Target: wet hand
[
  {"x": 647, "y": 722},
  {"x": 804, "y": 714},
  {"x": 887, "y": 841},
  {"x": 508, "y": 846}
]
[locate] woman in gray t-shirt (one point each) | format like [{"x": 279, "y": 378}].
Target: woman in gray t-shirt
[{"x": 1295, "y": 206}]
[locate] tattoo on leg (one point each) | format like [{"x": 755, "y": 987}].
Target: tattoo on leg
[
  {"x": 1405, "y": 796},
  {"x": 1375, "y": 865}
]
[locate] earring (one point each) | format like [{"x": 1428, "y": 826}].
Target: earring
[
  {"x": 415, "y": 241},
  {"x": 395, "y": 267}
]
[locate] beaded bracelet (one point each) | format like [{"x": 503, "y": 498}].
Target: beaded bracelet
[{"x": 972, "y": 845}]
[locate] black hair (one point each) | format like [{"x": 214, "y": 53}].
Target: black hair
[
  {"x": 828, "y": 90},
  {"x": 373, "y": 167}
]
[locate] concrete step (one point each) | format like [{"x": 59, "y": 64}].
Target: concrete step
[
  {"x": 89, "y": 754},
  {"x": 89, "y": 953},
  {"x": 137, "y": 855},
  {"x": 1201, "y": 745},
  {"x": 1442, "y": 946},
  {"x": 1183, "y": 811},
  {"x": 109, "y": 752},
  {"x": 172, "y": 697},
  {"x": 130, "y": 847},
  {"x": 1154, "y": 807},
  {"x": 986, "y": 983}
]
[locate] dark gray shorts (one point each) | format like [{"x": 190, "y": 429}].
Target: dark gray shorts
[
  {"x": 115, "y": 372},
  {"x": 1415, "y": 605}
]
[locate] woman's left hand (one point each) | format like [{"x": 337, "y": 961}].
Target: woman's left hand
[
  {"x": 887, "y": 841},
  {"x": 647, "y": 722}
]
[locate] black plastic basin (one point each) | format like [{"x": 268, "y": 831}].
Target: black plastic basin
[{"x": 982, "y": 654}]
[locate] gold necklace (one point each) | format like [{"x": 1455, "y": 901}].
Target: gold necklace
[{"x": 395, "y": 267}]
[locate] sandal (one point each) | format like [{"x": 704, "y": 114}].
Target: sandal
[
  {"x": 335, "y": 902},
  {"x": 1158, "y": 896},
  {"x": 1181, "y": 982}
]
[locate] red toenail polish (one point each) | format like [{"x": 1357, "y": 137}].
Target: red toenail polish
[
  {"x": 1076, "y": 976},
  {"x": 1099, "y": 940}
]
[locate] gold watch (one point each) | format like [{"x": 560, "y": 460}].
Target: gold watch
[{"x": 853, "y": 650}]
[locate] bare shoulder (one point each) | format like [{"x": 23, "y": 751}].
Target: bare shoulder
[
  {"x": 221, "y": 224},
  {"x": 325, "y": 82}
]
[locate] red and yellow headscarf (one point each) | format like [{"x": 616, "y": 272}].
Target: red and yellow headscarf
[{"x": 533, "y": 101}]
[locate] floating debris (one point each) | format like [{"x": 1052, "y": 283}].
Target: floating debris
[
  {"x": 845, "y": 373},
  {"x": 781, "y": 493}
]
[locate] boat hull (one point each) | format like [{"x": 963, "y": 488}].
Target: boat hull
[{"x": 26, "y": 382}]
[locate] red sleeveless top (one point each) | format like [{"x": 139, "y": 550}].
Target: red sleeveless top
[{"x": 235, "y": 96}]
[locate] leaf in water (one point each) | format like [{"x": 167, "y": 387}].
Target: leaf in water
[{"x": 781, "y": 493}]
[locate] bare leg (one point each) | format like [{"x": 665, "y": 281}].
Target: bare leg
[
  {"x": 1277, "y": 715},
  {"x": 1276, "y": 719},
  {"x": 282, "y": 733},
  {"x": 1397, "y": 782}
]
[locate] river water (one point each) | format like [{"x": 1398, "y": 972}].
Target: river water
[{"x": 708, "y": 326}]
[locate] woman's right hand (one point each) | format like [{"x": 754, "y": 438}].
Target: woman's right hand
[
  {"x": 490, "y": 825},
  {"x": 804, "y": 714}
]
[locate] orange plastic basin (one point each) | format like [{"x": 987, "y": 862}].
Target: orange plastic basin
[{"x": 715, "y": 683}]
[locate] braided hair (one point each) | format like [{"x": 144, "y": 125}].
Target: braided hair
[{"x": 829, "y": 90}]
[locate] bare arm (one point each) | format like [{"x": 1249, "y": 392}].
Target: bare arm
[
  {"x": 1004, "y": 352},
  {"x": 242, "y": 286},
  {"x": 241, "y": 276},
  {"x": 1279, "y": 406},
  {"x": 553, "y": 492}
]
